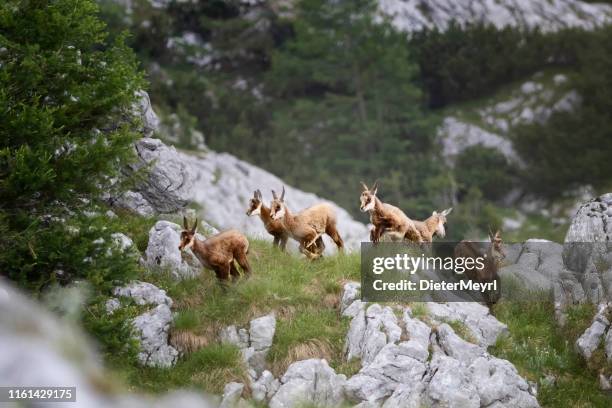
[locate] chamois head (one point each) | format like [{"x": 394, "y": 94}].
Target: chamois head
[
  {"x": 277, "y": 206},
  {"x": 441, "y": 216},
  {"x": 255, "y": 204},
  {"x": 497, "y": 245},
  {"x": 368, "y": 197},
  {"x": 188, "y": 235}
]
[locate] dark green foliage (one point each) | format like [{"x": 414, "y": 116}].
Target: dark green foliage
[
  {"x": 485, "y": 169},
  {"x": 571, "y": 150},
  {"x": 347, "y": 107},
  {"x": 66, "y": 129}
]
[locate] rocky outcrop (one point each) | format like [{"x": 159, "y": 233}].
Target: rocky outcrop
[
  {"x": 587, "y": 255},
  {"x": 309, "y": 382},
  {"x": 414, "y": 15},
  {"x": 222, "y": 185},
  {"x": 254, "y": 342},
  {"x": 151, "y": 328},
  {"x": 412, "y": 362},
  {"x": 163, "y": 254},
  {"x": 38, "y": 349},
  {"x": 231, "y": 395}
]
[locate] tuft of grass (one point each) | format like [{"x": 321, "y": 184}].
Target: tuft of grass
[
  {"x": 462, "y": 330},
  {"x": 539, "y": 349},
  {"x": 186, "y": 319}
]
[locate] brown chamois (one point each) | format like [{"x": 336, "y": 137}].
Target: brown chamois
[
  {"x": 274, "y": 227},
  {"x": 386, "y": 218},
  {"x": 432, "y": 226},
  {"x": 493, "y": 256},
  {"x": 308, "y": 226},
  {"x": 219, "y": 251}
]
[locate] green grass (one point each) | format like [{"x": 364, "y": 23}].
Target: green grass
[
  {"x": 304, "y": 296},
  {"x": 538, "y": 348}
]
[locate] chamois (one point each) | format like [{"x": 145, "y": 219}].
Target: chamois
[
  {"x": 434, "y": 225},
  {"x": 274, "y": 227},
  {"x": 308, "y": 226},
  {"x": 386, "y": 217},
  {"x": 219, "y": 251},
  {"x": 493, "y": 256}
]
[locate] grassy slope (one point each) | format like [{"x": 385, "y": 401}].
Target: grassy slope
[{"x": 305, "y": 297}]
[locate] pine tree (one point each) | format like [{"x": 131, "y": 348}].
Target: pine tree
[
  {"x": 66, "y": 130},
  {"x": 349, "y": 105}
]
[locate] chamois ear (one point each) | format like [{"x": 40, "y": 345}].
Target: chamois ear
[
  {"x": 259, "y": 196},
  {"x": 434, "y": 213},
  {"x": 185, "y": 224},
  {"x": 374, "y": 187},
  {"x": 447, "y": 211},
  {"x": 274, "y": 194},
  {"x": 365, "y": 187},
  {"x": 283, "y": 194},
  {"x": 195, "y": 227}
]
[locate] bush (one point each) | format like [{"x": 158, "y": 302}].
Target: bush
[{"x": 66, "y": 130}]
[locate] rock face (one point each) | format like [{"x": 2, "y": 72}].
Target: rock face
[
  {"x": 406, "y": 362},
  {"x": 309, "y": 382},
  {"x": 587, "y": 254},
  {"x": 163, "y": 253},
  {"x": 150, "y": 328},
  {"x": 413, "y": 15},
  {"x": 536, "y": 263},
  {"x": 223, "y": 185},
  {"x": 38, "y": 349},
  {"x": 253, "y": 343}
]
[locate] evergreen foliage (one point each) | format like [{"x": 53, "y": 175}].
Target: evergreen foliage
[{"x": 67, "y": 127}]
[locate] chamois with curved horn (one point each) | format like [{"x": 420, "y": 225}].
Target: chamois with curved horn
[
  {"x": 386, "y": 217},
  {"x": 274, "y": 227},
  {"x": 432, "y": 226},
  {"x": 219, "y": 251},
  {"x": 307, "y": 226}
]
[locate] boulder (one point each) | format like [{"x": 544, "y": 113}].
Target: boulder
[
  {"x": 265, "y": 387},
  {"x": 151, "y": 329},
  {"x": 311, "y": 382},
  {"x": 143, "y": 293},
  {"x": 231, "y": 395},
  {"x": 144, "y": 110},
  {"x": 162, "y": 252},
  {"x": 261, "y": 332}
]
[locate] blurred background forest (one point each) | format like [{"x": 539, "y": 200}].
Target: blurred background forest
[{"x": 325, "y": 94}]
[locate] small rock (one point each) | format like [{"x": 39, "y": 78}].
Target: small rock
[
  {"x": 261, "y": 332},
  {"x": 152, "y": 332},
  {"x": 588, "y": 342},
  {"x": 143, "y": 293},
  {"x": 231, "y": 395},
  {"x": 112, "y": 304}
]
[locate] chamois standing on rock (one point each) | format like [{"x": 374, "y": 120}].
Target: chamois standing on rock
[
  {"x": 493, "y": 256},
  {"x": 274, "y": 227},
  {"x": 308, "y": 226},
  {"x": 386, "y": 217},
  {"x": 219, "y": 251}
]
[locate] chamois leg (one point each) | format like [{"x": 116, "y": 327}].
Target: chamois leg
[
  {"x": 283, "y": 242},
  {"x": 223, "y": 273},
  {"x": 243, "y": 261},
  {"x": 332, "y": 231},
  {"x": 320, "y": 246},
  {"x": 276, "y": 241},
  {"x": 235, "y": 274}
]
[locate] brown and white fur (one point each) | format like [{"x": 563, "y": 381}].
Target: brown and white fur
[
  {"x": 432, "y": 226},
  {"x": 308, "y": 226},
  {"x": 274, "y": 227},
  {"x": 386, "y": 218},
  {"x": 219, "y": 251},
  {"x": 493, "y": 257}
]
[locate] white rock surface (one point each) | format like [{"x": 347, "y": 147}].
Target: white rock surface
[
  {"x": 151, "y": 330},
  {"x": 148, "y": 117},
  {"x": 397, "y": 369},
  {"x": 231, "y": 395},
  {"x": 311, "y": 382},
  {"x": 413, "y": 15},
  {"x": 143, "y": 293},
  {"x": 162, "y": 251},
  {"x": 38, "y": 349}
]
